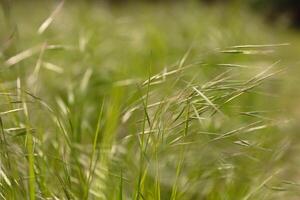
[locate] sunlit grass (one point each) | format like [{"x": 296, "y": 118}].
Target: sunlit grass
[{"x": 143, "y": 101}]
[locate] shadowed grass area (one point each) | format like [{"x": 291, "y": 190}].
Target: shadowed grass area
[{"x": 146, "y": 101}]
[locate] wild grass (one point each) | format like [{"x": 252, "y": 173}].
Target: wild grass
[{"x": 101, "y": 102}]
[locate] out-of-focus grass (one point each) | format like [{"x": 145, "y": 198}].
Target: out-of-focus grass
[{"x": 146, "y": 102}]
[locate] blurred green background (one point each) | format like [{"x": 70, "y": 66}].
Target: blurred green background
[{"x": 149, "y": 99}]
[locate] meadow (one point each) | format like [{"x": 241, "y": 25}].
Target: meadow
[{"x": 147, "y": 101}]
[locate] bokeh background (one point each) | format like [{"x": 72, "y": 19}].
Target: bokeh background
[{"x": 125, "y": 99}]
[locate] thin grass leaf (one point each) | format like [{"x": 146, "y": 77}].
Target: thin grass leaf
[
  {"x": 208, "y": 101},
  {"x": 50, "y": 19},
  {"x": 22, "y": 56},
  {"x": 259, "y": 45},
  {"x": 11, "y": 111},
  {"x": 254, "y": 190},
  {"x": 53, "y": 67}
]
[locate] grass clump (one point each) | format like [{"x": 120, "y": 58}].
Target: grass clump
[{"x": 93, "y": 108}]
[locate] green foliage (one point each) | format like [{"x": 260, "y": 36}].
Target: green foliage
[{"x": 143, "y": 102}]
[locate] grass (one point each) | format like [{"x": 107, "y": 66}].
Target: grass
[{"x": 146, "y": 101}]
